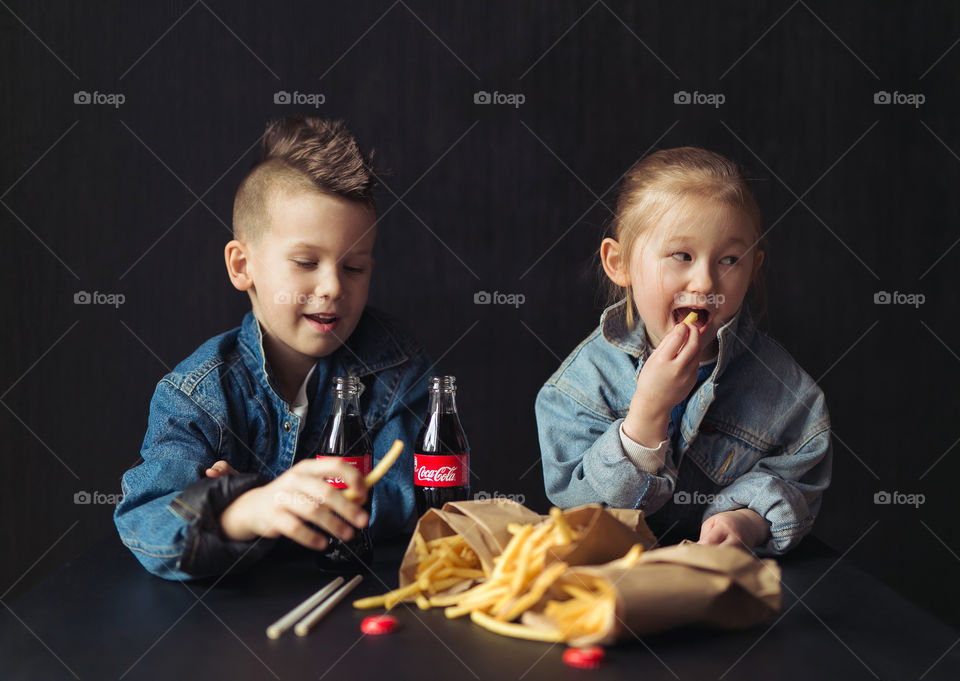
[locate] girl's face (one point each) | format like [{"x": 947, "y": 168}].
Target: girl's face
[{"x": 699, "y": 257}]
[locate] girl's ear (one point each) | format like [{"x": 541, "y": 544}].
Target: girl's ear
[
  {"x": 611, "y": 256},
  {"x": 758, "y": 261}
]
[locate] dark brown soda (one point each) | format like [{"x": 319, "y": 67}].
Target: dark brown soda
[
  {"x": 441, "y": 434},
  {"x": 344, "y": 434}
]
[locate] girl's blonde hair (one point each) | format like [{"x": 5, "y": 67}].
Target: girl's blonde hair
[{"x": 655, "y": 184}]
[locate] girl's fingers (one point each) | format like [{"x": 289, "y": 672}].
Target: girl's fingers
[
  {"x": 692, "y": 346},
  {"x": 672, "y": 343}
]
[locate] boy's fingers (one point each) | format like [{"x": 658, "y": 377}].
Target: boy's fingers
[
  {"x": 315, "y": 499},
  {"x": 350, "y": 511},
  {"x": 324, "y": 469},
  {"x": 221, "y": 467},
  {"x": 291, "y": 526}
]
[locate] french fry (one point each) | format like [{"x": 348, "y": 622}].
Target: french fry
[
  {"x": 515, "y": 630},
  {"x": 379, "y": 470},
  {"x": 631, "y": 557},
  {"x": 563, "y": 529}
]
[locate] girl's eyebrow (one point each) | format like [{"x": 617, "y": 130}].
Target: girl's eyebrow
[{"x": 679, "y": 240}]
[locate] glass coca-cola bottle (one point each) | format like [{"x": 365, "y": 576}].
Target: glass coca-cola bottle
[
  {"x": 345, "y": 438},
  {"x": 441, "y": 458}
]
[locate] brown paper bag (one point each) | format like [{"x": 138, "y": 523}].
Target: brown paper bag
[
  {"x": 668, "y": 587},
  {"x": 719, "y": 586}
]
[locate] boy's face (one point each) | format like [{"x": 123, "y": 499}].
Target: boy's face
[
  {"x": 311, "y": 272},
  {"x": 700, "y": 256}
]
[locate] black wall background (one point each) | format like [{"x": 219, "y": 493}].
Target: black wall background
[{"x": 859, "y": 198}]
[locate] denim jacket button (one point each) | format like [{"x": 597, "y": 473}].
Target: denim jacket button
[{"x": 286, "y": 426}]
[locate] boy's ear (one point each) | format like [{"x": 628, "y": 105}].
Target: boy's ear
[
  {"x": 235, "y": 255},
  {"x": 611, "y": 256}
]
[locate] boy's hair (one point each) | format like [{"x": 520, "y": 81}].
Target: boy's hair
[
  {"x": 655, "y": 184},
  {"x": 301, "y": 155}
]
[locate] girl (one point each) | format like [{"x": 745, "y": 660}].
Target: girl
[{"x": 704, "y": 423}]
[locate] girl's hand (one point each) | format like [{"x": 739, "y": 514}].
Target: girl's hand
[
  {"x": 221, "y": 467},
  {"x": 299, "y": 496},
  {"x": 666, "y": 378},
  {"x": 742, "y": 528}
]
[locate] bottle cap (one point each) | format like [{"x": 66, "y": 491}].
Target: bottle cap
[
  {"x": 584, "y": 658},
  {"x": 378, "y": 624}
]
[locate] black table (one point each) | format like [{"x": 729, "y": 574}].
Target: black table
[{"x": 103, "y": 617}]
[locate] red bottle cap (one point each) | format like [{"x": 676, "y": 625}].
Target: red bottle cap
[
  {"x": 584, "y": 658},
  {"x": 378, "y": 624}
]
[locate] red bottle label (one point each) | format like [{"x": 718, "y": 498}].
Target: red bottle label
[
  {"x": 441, "y": 470},
  {"x": 361, "y": 463}
]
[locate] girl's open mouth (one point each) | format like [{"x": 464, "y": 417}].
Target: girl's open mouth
[
  {"x": 322, "y": 323},
  {"x": 703, "y": 315}
]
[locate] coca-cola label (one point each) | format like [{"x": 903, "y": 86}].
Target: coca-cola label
[
  {"x": 361, "y": 463},
  {"x": 441, "y": 470}
]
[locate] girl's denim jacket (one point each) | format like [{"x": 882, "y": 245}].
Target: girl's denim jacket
[
  {"x": 220, "y": 403},
  {"x": 755, "y": 434}
]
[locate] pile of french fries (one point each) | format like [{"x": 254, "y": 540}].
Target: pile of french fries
[{"x": 450, "y": 575}]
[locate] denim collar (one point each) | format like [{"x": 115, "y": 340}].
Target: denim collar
[
  {"x": 369, "y": 349},
  {"x": 734, "y": 336}
]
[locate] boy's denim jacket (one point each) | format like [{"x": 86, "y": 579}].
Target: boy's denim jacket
[
  {"x": 755, "y": 434},
  {"x": 220, "y": 403}
]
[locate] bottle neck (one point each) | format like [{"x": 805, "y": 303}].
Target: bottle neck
[
  {"x": 443, "y": 401},
  {"x": 344, "y": 432}
]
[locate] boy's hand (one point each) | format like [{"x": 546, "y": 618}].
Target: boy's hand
[
  {"x": 742, "y": 528},
  {"x": 301, "y": 495},
  {"x": 221, "y": 467},
  {"x": 667, "y": 377}
]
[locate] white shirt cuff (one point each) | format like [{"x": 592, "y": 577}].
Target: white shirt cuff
[{"x": 645, "y": 459}]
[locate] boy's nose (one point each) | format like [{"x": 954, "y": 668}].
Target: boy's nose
[{"x": 328, "y": 287}]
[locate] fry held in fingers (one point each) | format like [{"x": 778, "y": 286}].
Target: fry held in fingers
[{"x": 379, "y": 470}]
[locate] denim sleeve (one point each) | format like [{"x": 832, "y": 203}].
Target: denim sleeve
[
  {"x": 182, "y": 440},
  {"x": 785, "y": 489},
  {"x": 584, "y": 461},
  {"x": 393, "y": 502}
]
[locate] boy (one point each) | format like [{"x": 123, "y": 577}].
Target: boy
[{"x": 255, "y": 399}]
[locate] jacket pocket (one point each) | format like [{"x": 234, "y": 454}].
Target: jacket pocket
[{"x": 724, "y": 455}]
